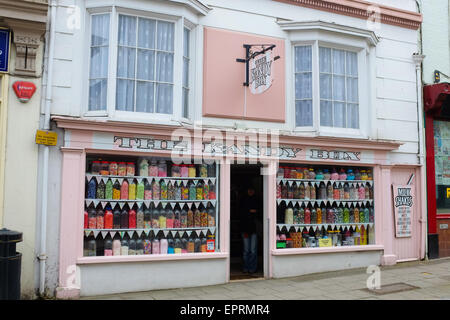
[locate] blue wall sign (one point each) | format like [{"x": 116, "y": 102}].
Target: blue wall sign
[{"x": 4, "y": 50}]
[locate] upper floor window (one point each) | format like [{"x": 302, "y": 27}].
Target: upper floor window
[
  {"x": 99, "y": 53},
  {"x": 145, "y": 59},
  {"x": 133, "y": 70},
  {"x": 337, "y": 81}
]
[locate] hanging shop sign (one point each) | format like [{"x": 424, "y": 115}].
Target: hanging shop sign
[
  {"x": 4, "y": 49},
  {"x": 24, "y": 90},
  {"x": 47, "y": 138},
  {"x": 261, "y": 73},
  {"x": 403, "y": 202},
  {"x": 258, "y": 66}
]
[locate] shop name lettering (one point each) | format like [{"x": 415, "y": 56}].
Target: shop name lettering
[
  {"x": 403, "y": 197},
  {"x": 335, "y": 155},
  {"x": 208, "y": 147},
  {"x": 260, "y": 72}
]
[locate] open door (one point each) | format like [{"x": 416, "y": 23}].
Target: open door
[{"x": 244, "y": 177}]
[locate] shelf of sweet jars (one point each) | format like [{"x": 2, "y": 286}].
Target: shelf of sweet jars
[
  {"x": 280, "y": 226},
  {"x": 95, "y": 202},
  {"x": 89, "y": 176},
  {"x": 155, "y": 230},
  {"x": 317, "y": 182},
  {"x": 327, "y": 201}
]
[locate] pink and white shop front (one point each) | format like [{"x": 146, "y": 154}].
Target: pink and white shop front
[{"x": 148, "y": 207}]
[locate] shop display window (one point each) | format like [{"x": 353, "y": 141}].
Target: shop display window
[
  {"x": 442, "y": 165},
  {"x": 140, "y": 205},
  {"x": 323, "y": 206}
]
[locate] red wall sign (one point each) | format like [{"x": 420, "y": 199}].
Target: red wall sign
[{"x": 24, "y": 90}]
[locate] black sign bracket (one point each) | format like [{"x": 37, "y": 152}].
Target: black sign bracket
[{"x": 250, "y": 54}]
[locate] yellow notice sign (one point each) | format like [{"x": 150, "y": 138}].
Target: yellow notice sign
[
  {"x": 48, "y": 138},
  {"x": 325, "y": 242}
]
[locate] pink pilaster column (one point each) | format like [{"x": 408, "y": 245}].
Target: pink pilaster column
[
  {"x": 272, "y": 209},
  {"x": 387, "y": 222},
  {"x": 225, "y": 186},
  {"x": 71, "y": 221}
]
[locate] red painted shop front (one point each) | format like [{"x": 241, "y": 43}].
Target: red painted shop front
[{"x": 437, "y": 126}]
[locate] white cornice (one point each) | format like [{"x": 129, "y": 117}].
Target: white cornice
[
  {"x": 24, "y": 10},
  {"x": 370, "y": 36},
  {"x": 197, "y": 5}
]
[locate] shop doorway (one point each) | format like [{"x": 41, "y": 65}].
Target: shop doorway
[{"x": 243, "y": 177}]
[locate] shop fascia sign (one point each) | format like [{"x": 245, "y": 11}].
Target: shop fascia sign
[
  {"x": 221, "y": 149},
  {"x": 208, "y": 148}
]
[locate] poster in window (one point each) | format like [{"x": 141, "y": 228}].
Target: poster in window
[{"x": 403, "y": 210}]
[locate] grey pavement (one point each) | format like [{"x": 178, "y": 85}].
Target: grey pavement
[{"x": 418, "y": 280}]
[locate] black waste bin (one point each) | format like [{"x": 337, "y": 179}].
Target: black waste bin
[{"x": 10, "y": 263}]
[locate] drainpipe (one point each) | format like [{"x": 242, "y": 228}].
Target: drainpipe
[
  {"x": 418, "y": 59},
  {"x": 46, "y": 126}
]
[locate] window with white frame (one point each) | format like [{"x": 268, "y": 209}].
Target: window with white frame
[
  {"x": 337, "y": 81},
  {"x": 186, "y": 62},
  {"x": 99, "y": 51},
  {"x": 142, "y": 74}
]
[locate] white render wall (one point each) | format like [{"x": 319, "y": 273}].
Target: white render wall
[
  {"x": 392, "y": 113},
  {"x": 436, "y": 39}
]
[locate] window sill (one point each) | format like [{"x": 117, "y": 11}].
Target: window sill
[
  {"x": 342, "y": 133},
  {"x": 299, "y": 251},
  {"x": 152, "y": 257}
]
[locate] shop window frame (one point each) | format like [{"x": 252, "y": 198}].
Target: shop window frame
[
  {"x": 219, "y": 250},
  {"x": 375, "y": 245},
  {"x": 180, "y": 22}
]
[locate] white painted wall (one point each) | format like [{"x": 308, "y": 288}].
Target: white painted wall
[
  {"x": 98, "y": 279},
  {"x": 436, "y": 39},
  {"x": 393, "y": 105},
  {"x": 297, "y": 265},
  {"x": 21, "y": 167}
]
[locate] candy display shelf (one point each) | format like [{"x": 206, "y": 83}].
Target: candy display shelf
[
  {"x": 325, "y": 201},
  {"x": 89, "y": 201},
  {"x": 326, "y": 225},
  {"x": 89, "y": 176},
  {"x": 157, "y": 230},
  {"x": 370, "y": 182}
]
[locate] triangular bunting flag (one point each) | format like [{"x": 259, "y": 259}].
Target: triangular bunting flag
[
  {"x": 104, "y": 204},
  {"x": 88, "y": 177},
  {"x": 213, "y": 180},
  {"x": 164, "y": 204},
  {"x": 189, "y": 204},
  {"x": 156, "y": 203},
  {"x": 139, "y": 203},
  {"x": 113, "y": 204},
  {"x": 105, "y": 179},
  {"x": 157, "y": 179},
  {"x": 139, "y": 180},
  {"x": 354, "y": 203},
  {"x": 96, "y": 232},
  {"x": 96, "y": 202},
  {"x": 88, "y": 202},
  {"x": 197, "y": 204},
  {"x": 104, "y": 233},
  {"x": 205, "y": 203},
  {"x": 87, "y": 232},
  {"x": 112, "y": 233},
  {"x": 189, "y": 232},
  {"x": 139, "y": 232},
  {"x": 166, "y": 232},
  {"x": 205, "y": 181},
  {"x": 130, "y": 233},
  {"x": 120, "y": 180},
  {"x": 121, "y": 204}
]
